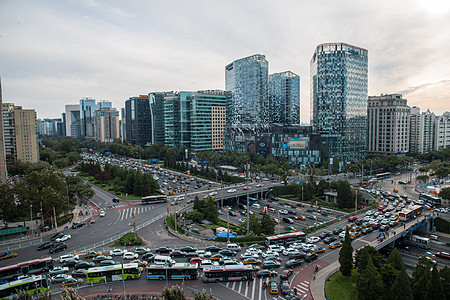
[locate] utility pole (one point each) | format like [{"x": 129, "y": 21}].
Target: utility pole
[
  {"x": 317, "y": 208},
  {"x": 134, "y": 226},
  {"x": 42, "y": 218},
  {"x": 228, "y": 226},
  {"x": 248, "y": 200},
  {"x": 31, "y": 218},
  {"x": 54, "y": 215},
  {"x": 356, "y": 201}
]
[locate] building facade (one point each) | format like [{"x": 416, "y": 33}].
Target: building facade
[
  {"x": 388, "y": 124},
  {"x": 339, "y": 83},
  {"x": 3, "y": 169},
  {"x": 20, "y": 133},
  {"x": 421, "y": 131},
  {"x": 284, "y": 98},
  {"x": 138, "y": 121},
  {"x": 442, "y": 132},
  {"x": 50, "y": 127},
  {"x": 157, "y": 114},
  {"x": 72, "y": 120},
  {"x": 247, "y": 80},
  {"x": 88, "y": 106},
  {"x": 106, "y": 124}
]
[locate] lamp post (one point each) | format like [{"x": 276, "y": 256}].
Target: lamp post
[
  {"x": 265, "y": 196},
  {"x": 31, "y": 218},
  {"x": 221, "y": 190},
  {"x": 123, "y": 283}
]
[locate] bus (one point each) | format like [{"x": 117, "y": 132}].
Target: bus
[
  {"x": 410, "y": 213},
  {"x": 227, "y": 273},
  {"x": 382, "y": 175},
  {"x": 154, "y": 199},
  {"x": 430, "y": 199},
  {"x": 31, "y": 267},
  {"x": 176, "y": 271},
  {"x": 33, "y": 285},
  {"x": 113, "y": 273},
  {"x": 418, "y": 241},
  {"x": 286, "y": 239}
]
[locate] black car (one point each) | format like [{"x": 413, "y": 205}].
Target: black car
[
  {"x": 329, "y": 239},
  {"x": 227, "y": 252},
  {"x": 292, "y": 212},
  {"x": 324, "y": 235},
  {"x": 232, "y": 213},
  {"x": 297, "y": 255},
  {"x": 177, "y": 253},
  {"x": 79, "y": 273},
  {"x": 285, "y": 289},
  {"x": 148, "y": 256},
  {"x": 311, "y": 256},
  {"x": 70, "y": 263},
  {"x": 213, "y": 249},
  {"x": 266, "y": 273},
  {"x": 270, "y": 264},
  {"x": 292, "y": 263},
  {"x": 58, "y": 248},
  {"x": 337, "y": 231},
  {"x": 84, "y": 265},
  {"x": 57, "y": 236},
  {"x": 46, "y": 245},
  {"x": 285, "y": 274},
  {"x": 115, "y": 200},
  {"x": 163, "y": 250},
  {"x": 78, "y": 225},
  {"x": 188, "y": 249},
  {"x": 366, "y": 230}
]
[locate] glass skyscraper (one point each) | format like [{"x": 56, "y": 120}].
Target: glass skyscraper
[
  {"x": 284, "y": 98},
  {"x": 339, "y": 99},
  {"x": 247, "y": 80},
  {"x": 138, "y": 124}
]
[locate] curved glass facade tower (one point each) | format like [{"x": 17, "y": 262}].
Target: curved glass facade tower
[{"x": 339, "y": 76}]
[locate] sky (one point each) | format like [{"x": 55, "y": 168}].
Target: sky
[{"x": 53, "y": 53}]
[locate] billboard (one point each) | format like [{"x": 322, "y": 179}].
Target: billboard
[{"x": 297, "y": 143}]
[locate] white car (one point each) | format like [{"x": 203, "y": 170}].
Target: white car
[
  {"x": 270, "y": 252},
  {"x": 342, "y": 234},
  {"x": 254, "y": 251},
  {"x": 60, "y": 278},
  {"x": 213, "y": 193},
  {"x": 64, "y": 258},
  {"x": 308, "y": 247},
  {"x": 116, "y": 252},
  {"x": 256, "y": 205},
  {"x": 130, "y": 255},
  {"x": 313, "y": 240},
  {"x": 102, "y": 213},
  {"x": 231, "y": 190},
  {"x": 58, "y": 270},
  {"x": 63, "y": 238},
  {"x": 283, "y": 211},
  {"x": 248, "y": 255},
  {"x": 203, "y": 253},
  {"x": 289, "y": 251},
  {"x": 276, "y": 248}
]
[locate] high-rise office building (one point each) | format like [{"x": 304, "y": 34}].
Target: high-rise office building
[
  {"x": 88, "y": 106},
  {"x": 3, "y": 169},
  {"x": 284, "y": 98},
  {"x": 50, "y": 126},
  {"x": 421, "y": 131},
  {"x": 177, "y": 116},
  {"x": 247, "y": 80},
  {"x": 72, "y": 120},
  {"x": 106, "y": 124},
  {"x": 20, "y": 133},
  {"x": 138, "y": 121},
  {"x": 157, "y": 114},
  {"x": 442, "y": 132},
  {"x": 339, "y": 99},
  {"x": 388, "y": 124}
]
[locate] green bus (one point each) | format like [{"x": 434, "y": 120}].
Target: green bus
[
  {"x": 113, "y": 273},
  {"x": 32, "y": 285}
]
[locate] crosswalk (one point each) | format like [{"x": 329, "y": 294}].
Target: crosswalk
[
  {"x": 255, "y": 290},
  {"x": 128, "y": 212}
]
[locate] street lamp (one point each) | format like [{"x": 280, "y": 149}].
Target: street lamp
[
  {"x": 31, "y": 218},
  {"x": 265, "y": 195},
  {"x": 221, "y": 190}
]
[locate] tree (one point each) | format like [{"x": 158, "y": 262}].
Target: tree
[
  {"x": 267, "y": 224},
  {"x": 68, "y": 293},
  {"x": 401, "y": 288},
  {"x": 345, "y": 255},
  {"x": 344, "y": 195},
  {"x": 388, "y": 275},
  {"x": 395, "y": 260},
  {"x": 373, "y": 253},
  {"x": 444, "y": 274},
  {"x": 419, "y": 287},
  {"x": 174, "y": 292},
  {"x": 203, "y": 295},
  {"x": 445, "y": 193},
  {"x": 8, "y": 208},
  {"x": 369, "y": 283},
  {"x": 434, "y": 289},
  {"x": 361, "y": 259}
]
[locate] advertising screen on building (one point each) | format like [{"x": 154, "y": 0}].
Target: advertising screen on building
[{"x": 298, "y": 143}]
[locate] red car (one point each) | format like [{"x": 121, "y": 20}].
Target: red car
[
  {"x": 300, "y": 204},
  {"x": 352, "y": 218},
  {"x": 443, "y": 255},
  {"x": 196, "y": 260}
]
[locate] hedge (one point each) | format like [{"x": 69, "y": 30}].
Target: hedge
[{"x": 442, "y": 225}]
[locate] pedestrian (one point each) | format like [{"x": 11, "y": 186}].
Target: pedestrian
[
  {"x": 248, "y": 281},
  {"x": 404, "y": 226},
  {"x": 295, "y": 291},
  {"x": 314, "y": 276}
]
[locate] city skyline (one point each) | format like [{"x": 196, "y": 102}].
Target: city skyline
[{"x": 54, "y": 54}]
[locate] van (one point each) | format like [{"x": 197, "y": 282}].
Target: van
[
  {"x": 163, "y": 260},
  {"x": 234, "y": 247}
]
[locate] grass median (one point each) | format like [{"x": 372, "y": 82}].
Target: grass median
[{"x": 342, "y": 287}]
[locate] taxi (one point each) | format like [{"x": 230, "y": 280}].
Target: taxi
[
  {"x": 71, "y": 281},
  {"x": 317, "y": 250},
  {"x": 7, "y": 255},
  {"x": 335, "y": 244},
  {"x": 273, "y": 287},
  {"x": 91, "y": 254}
]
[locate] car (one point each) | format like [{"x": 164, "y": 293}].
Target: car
[
  {"x": 84, "y": 265},
  {"x": 116, "y": 252},
  {"x": 59, "y": 278},
  {"x": 356, "y": 228},
  {"x": 246, "y": 255},
  {"x": 72, "y": 281},
  {"x": 335, "y": 244},
  {"x": 313, "y": 240},
  {"x": 91, "y": 253},
  {"x": 231, "y": 190},
  {"x": 148, "y": 256},
  {"x": 256, "y": 205},
  {"x": 324, "y": 235},
  {"x": 102, "y": 213},
  {"x": 441, "y": 254},
  {"x": 70, "y": 263},
  {"x": 45, "y": 245},
  {"x": 217, "y": 257},
  {"x": 285, "y": 289},
  {"x": 232, "y": 213},
  {"x": 115, "y": 200},
  {"x": 257, "y": 246},
  {"x": 283, "y": 211},
  {"x": 63, "y": 238},
  {"x": 56, "y": 236},
  {"x": 80, "y": 273},
  {"x": 429, "y": 254},
  {"x": 130, "y": 255},
  {"x": 317, "y": 250},
  {"x": 212, "y": 193},
  {"x": 270, "y": 264},
  {"x": 78, "y": 225},
  {"x": 289, "y": 251},
  {"x": 8, "y": 254},
  {"x": 164, "y": 250},
  {"x": 432, "y": 261},
  {"x": 188, "y": 249},
  {"x": 99, "y": 258},
  {"x": 273, "y": 257},
  {"x": 196, "y": 260},
  {"x": 273, "y": 287},
  {"x": 301, "y": 217},
  {"x": 252, "y": 260},
  {"x": 58, "y": 270},
  {"x": 311, "y": 257},
  {"x": 285, "y": 274},
  {"x": 292, "y": 263},
  {"x": 366, "y": 230},
  {"x": 213, "y": 249},
  {"x": 177, "y": 253},
  {"x": 246, "y": 187},
  {"x": 92, "y": 220},
  {"x": 140, "y": 262},
  {"x": 276, "y": 248},
  {"x": 342, "y": 234},
  {"x": 329, "y": 239},
  {"x": 352, "y": 218},
  {"x": 354, "y": 234},
  {"x": 297, "y": 255},
  {"x": 227, "y": 252},
  {"x": 107, "y": 262},
  {"x": 300, "y": 204},
  {"x": 58, "y": 248},
  {"x": 292, "y": 212}
]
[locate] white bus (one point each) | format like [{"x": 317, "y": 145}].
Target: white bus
[{"x": 418, "y": 241}]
